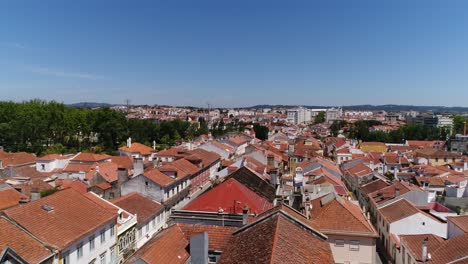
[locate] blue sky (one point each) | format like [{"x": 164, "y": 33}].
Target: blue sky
[{"x": 235, "y": 53}]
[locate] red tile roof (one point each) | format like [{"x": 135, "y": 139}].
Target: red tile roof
[
  {"x": 73, "y": 184},
  {"x": 90, "y": 157},
  {"x": 138, "y": 148},
  {"x": 460, "y": 221},
  {"x": 227, "y": 195},
  {"x": 413, "y": 243},
  {"x": 158, "y": 177},
  {"x": 22, "y": 243},
  {"x": 373, "y": 186},
  {"x": 276, "y": 239},
  {"x": 125, "y": 162},
  {"x": 340, "y": 216},
  {"x": 218, "y": 236},
  {"x": 9, "y": 197},
  {"x": 16, "y": 159},
  {"x": 73, "y": 217},
  {"x": 168, "y": 246},
  {"x": 398, "y": 210},
  {"x": 135, "y": 203},
  {"x": 454, "y": 250},
  {"x": 108, "y": 170}
]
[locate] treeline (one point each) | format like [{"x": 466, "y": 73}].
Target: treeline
[
  {"x": 49, "y": 127},
  {"x": 360, "y": 131}
]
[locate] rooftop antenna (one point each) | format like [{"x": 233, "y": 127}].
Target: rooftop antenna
[{"x": 127, "y": 102}]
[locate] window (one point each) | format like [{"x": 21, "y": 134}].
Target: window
[
  {"x": 354, "y": 245},
  {"x": 91, "y": 243},
  {"x": 140, "y": 232},
  {"x": 339, "y": 243},
  {"x": 112, "y": 230},
  {"x": 66, "y": 258},
  {"x": 43, "y": 166},
  {"x": 112, "y": 254},
  {"x": 79, "y": 250},
  {"x": 103, "y": 258},
  {"x": 147, "y": 227},
  {"x": 103, "y": 236},
  {"x": 153, "y": 223}
]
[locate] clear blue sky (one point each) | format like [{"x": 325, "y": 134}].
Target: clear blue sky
[{"x": 235, "y": 53}]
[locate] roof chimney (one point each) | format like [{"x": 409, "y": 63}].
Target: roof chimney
[
  {"x": 137, "y": 166},
  {"x": 424, "y": 250},
  {"x": 129, "y": 142},
  {"x": 245, "y": 215},
  {"x": 199, "y": 248},
  {"x": 397, "y": 192}
]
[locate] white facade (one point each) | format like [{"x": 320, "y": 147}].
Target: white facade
[
  {"x": 149, "y": 229},
  {"x": 50, "y": 165},
  {"x": 453, "y": 230},
  {"x": 99, "y": 247}
]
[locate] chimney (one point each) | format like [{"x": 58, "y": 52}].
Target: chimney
[
  {"x": 274, "y": 178},
  {"x": 270, "y": 161},
  {"x": 397, "y": 192},
  {"x": 137, "y": 166},
  {"x": 424, "y": 250},
  {"x": 308, "y": 207},
  {"x": 154, "y": 144},
  {"x": 129, "y": 142},
  {"x": 122, "y": 175},
  {"x": 464, "y": 128},
  {"x": 245, "y": 215},
  {"x": 199, "y": 248}
]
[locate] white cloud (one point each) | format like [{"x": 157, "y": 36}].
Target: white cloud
[
  {"x": 61, "y": 73},
  {"x": 12, "y": 45}
]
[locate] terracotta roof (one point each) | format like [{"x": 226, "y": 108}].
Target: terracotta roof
[
  {"x": 73, "y": 217},
  {"x": 135, "y": 203},
  {"x": 90, "y": 157},
  {"x": 340, "y": 216},
  {"x": 183, "y": 167},
  {"x": 158, "y": 177},
  {"x": 138, "y": 148},
  {"x": 373, "y": 186},
  {"x": 451, "y": 250},
  {"x": 422, "y": 143},
  {"x": 276, "y": 239},
  {"x": 77, "y": 167},
  {"x": 27, "y": 171},
  {"x": 168, "y": 246},
  {"x": 9, "y": 197},
  {"x": 104, "y": 185},
  {"x": 254, "y": 182},
  {"x": 398, "y": 210},
  {"x": 413, "y": 243},
  {"x": 173, "y": 152},
  {"x": 359, "y": 170},
  {"x": 218, "y": 236},
  {"x": 238, "y": 140},
  {"x": 389, "y": 192},
  {"x": 109, "y": 171},
  {"x": 22, "y": 243},
  {"x": 52, "y": 157},
  {"x": 222, "y": 146},
  {"x": 73, "y": 184},
  {"x": 16, "y": 159},
  {"x": 460, "y": 221},
  {"x": 125, "y": 162},
  {"x": 227, "y": 195},
  {"x": 207, "y": 157},
  {"x": 433, "y": 181},
  {"x": 436, "y": 153},
  {"x": 36, "y": 185}
]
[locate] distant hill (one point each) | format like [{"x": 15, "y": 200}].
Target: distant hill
[
  {"x": 387, "y": 108},
  {"x": 90, "y": 105}
]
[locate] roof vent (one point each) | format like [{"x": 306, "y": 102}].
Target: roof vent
[{"x": 47, "y": 207}]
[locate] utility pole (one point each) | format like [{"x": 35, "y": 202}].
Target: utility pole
[{"x": 127, "y": 103}]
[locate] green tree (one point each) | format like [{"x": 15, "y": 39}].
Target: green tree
[{"x": 320, "y": 118}]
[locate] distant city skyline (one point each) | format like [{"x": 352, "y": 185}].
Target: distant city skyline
[{"x": 235, "y": 54}]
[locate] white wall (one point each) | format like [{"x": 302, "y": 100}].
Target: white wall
[
  {"x": 99, "y": 248},
  {"x": 143, "y": 236},
  {"x": 453, "y": 230},
  {"x": 418, "y": 224},
  {"x": 344, "y": 254}
]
